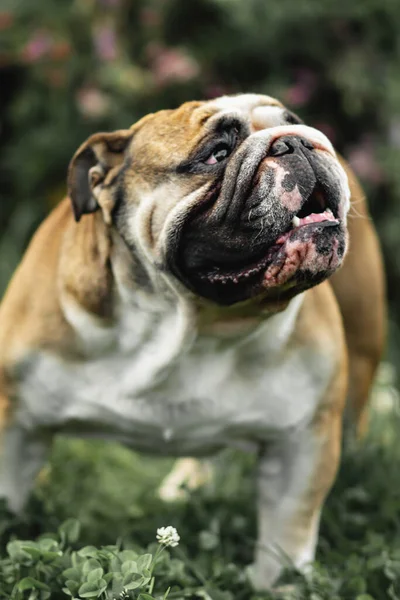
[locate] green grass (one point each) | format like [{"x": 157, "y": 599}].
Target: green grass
[{"x": 112, "y": 493}]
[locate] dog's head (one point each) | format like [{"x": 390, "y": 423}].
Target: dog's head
[{"x": 234, "y": 197}]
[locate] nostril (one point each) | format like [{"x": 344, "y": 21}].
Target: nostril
[
  {"x": 280, "y": 147},
  {"x": 307, "y": 144},
  {"x": 289, "y": 144}
]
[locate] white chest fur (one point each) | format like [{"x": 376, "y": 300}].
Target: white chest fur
[{"x": 151, "y": 383}]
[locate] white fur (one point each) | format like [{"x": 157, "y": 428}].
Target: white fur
[
  {"x": 267, "y": 116},
  {"x": 244, "y": 102},
  {"x": 159, "y": 377}
]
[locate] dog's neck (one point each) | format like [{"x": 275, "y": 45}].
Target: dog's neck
[{"x": 150, "y": 291}]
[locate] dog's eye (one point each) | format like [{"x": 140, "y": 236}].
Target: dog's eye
[{"x": 221, "y": 152}]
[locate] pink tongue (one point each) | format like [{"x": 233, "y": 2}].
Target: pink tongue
[
  {"x": 317, "y": 218},
  {"x": 327, "y": 215}
]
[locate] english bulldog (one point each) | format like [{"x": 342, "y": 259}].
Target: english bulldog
[{"x": 178, "y": 302}]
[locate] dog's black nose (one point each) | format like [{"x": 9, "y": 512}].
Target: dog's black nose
[{"x": 288, "y": 144}]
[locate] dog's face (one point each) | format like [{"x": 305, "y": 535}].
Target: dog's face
[{"x": 234, "y": 197}]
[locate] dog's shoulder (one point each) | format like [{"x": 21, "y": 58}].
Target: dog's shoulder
[
  {"x": 84, "y": 270},
  {"x": 320, "y": 323},
  {"x": 29, "y": 312},
  {"x": 65, "y": 262}
]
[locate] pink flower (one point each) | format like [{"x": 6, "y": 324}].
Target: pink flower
[
  {"x": 149, "y": 17},
  {"x": 302, "y": 89},
  {"x": 61, "y": 50},
  {"x": 6, "y": 20},
  {"x": 105, "y": 43},
  {"x": 92, "y": 102},
  {"x": 214, "y": 90},
  {"x": 171, "y": 64},
  {"x": 38, "y": 46},
  {"x": 362, "y": 159},
  {"x": 327, "y": 129}
]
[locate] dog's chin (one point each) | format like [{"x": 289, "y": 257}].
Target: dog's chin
[{"x": 298, "y": 259}]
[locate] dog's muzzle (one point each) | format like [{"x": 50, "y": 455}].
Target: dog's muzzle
[{"x": 276, "y": 224}]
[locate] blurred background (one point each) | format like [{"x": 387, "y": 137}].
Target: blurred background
[{"x": 69, "y": 68}]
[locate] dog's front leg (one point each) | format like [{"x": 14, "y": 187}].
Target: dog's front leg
[
  {"x": 295, "y": 475},
  {"x": 22, "y": 454}
]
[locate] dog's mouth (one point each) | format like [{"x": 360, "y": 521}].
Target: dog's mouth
[
  {"x": 224, "y": 275},
  {"x": 314, "y": 229}
]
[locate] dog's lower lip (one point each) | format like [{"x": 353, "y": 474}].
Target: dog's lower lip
[
  {"x": 255, "y": 268},
  {"x": 218, "y": 275}
]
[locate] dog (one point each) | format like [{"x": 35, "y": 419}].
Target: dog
[{"x": 178, "y": 302}]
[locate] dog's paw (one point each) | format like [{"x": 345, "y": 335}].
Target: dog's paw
[{"x": 267, "y": 579}]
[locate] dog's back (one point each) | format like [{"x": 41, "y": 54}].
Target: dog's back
[{"x": 360, "y": 290}]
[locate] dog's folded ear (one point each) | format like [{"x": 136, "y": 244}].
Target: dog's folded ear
[{"x": 92, "y": 171}]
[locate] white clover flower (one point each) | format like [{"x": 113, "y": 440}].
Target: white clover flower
[{"x": 168, "y": 536}]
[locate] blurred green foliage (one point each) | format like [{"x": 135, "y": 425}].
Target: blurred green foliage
[
  {"x": 112, "y": 492},
  {"x": 69, "y": 68}
]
